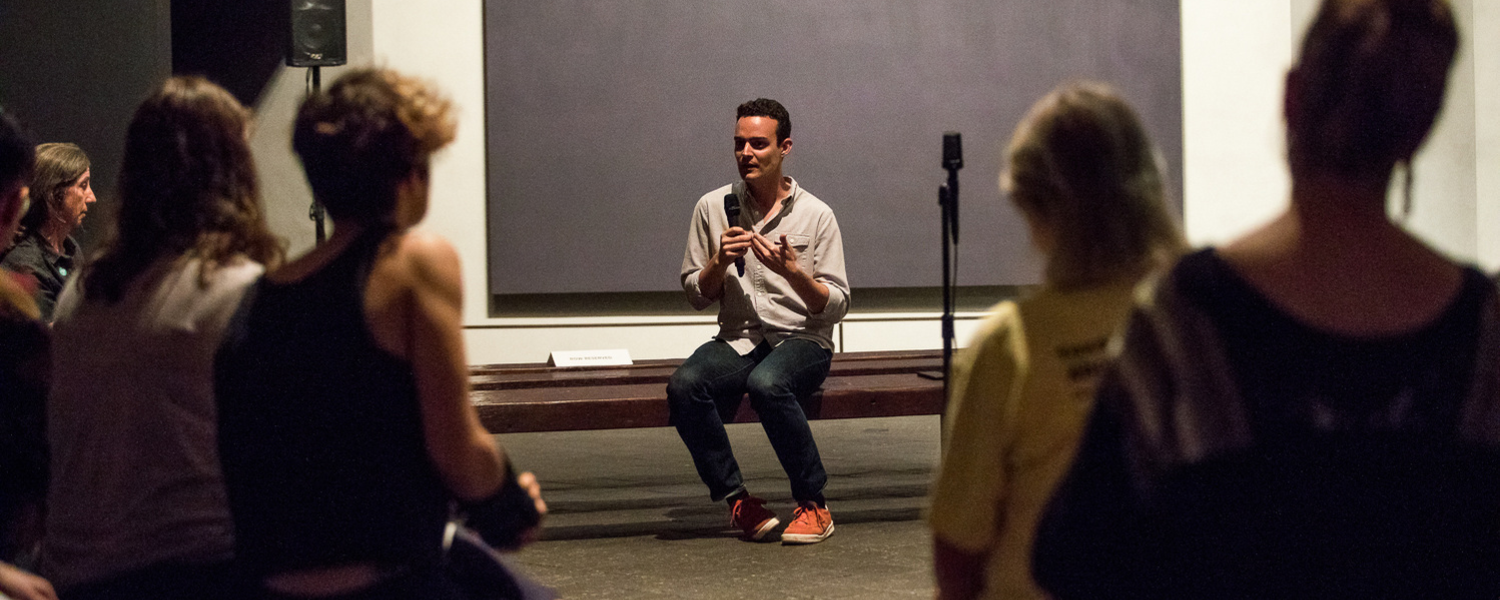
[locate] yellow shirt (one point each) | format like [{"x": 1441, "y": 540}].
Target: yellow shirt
[
  {"x": 15, "y": 301},
  {"x": 1021, "y": 394}
]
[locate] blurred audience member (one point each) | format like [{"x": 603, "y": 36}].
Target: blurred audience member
[
  {"x": 16, "y": 584},
  {"x": 24, "y": 373},
  {"x": 44, "y": 248},
  {"x": 1083, "y": 173},
  {"x": 344, "y": 416},
  {"x": 1312, "y": 411},
  {"x": 137, "y": 506}
]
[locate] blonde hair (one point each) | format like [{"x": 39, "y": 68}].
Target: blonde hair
[{"x": 1081, "y": 164}]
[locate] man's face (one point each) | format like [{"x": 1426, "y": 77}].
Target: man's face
[{"x": 755, "y": 149}]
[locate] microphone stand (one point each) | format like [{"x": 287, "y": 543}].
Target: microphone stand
[
  {"x": 953, "y": 160},
  {"x": 315, "y": 211},
  {"x": 948, "y": 203}
]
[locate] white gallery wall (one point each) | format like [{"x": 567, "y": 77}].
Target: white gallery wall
[
  {"x": 1235, "y": 57},
  {"x": 1235, "y": 54},
  {"x": 1484, "y": 37}
]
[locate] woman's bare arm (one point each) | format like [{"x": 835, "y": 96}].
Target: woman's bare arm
[
  {"x": 421, "y": 278},
  {"x": 18, "y": 584}
]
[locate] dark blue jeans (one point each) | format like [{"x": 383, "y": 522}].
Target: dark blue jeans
[{"x": 707, "y": 389}]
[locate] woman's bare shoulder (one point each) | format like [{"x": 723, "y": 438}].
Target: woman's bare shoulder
[{"x": 423, "y": 259}]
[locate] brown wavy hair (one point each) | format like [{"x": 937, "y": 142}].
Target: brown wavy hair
[
  {"x": 372, "y": 129},
  {"x": 187, "y": 188}
]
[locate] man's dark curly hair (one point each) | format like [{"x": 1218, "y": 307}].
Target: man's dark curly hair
[{"x": 766, "y": 107}]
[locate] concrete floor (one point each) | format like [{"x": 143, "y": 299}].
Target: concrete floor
[{"x": 629, "y": 518}]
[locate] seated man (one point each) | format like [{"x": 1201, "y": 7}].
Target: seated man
[{"x": 770, "y": 253}]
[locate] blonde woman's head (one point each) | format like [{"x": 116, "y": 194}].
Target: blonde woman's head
[{"x": 1082, "y": 170}]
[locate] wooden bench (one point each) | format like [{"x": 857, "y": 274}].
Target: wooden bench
[{"x": 535, "y": 397}]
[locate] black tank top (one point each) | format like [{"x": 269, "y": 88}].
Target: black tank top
[{"x": 320, "y": 430}]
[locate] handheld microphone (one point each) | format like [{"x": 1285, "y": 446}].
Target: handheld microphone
[{"x": 732, "y": 210}]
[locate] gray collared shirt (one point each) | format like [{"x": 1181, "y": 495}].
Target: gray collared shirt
[
  {"x": 761, "y": 305},
  {"x": 35, "y": 256}
]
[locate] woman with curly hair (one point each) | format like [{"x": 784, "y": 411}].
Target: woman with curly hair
[{"x": 344, "y": 416}]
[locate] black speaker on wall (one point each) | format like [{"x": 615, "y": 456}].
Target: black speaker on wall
[{"x": 317, "y": 38}]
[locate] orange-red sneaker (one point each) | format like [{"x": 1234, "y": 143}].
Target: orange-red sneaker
[
  {"x": 810, "y": 525},
  {"x": 750, "y": 516}
]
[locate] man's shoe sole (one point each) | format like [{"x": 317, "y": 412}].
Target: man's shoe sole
[
  {"x": 804, "y": 538},
  {"x": 764, "y": 529}
]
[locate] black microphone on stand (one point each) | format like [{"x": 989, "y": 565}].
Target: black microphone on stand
[
  {"x": 953, "y": 160},
  {"x": 732, "y": 210}
]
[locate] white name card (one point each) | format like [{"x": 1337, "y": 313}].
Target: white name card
[{"x": 589, "y": 358}]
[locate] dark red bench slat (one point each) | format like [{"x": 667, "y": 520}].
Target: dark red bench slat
[
  {"x": 551, "y": 399},
  {"x": 660, "y": 374}
]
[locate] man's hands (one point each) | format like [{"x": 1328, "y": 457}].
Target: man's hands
[
  {"x": 780, "y": 258},
  {"x": 733, "y": 244}
]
